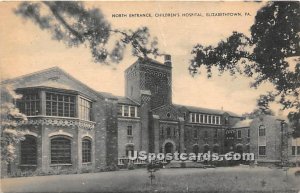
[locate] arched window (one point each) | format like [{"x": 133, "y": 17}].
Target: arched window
[
  {"x": 29, "y": 150},
  {"x": 216, "y": 149},
  {"x": 205, "y": 148},
  {"x": 195, "y": 149},
  {"x": 86, "y": 150},
  {"x": 60, "y": 150}
]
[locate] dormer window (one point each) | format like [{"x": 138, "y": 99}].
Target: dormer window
[{"x": 127, "y": 111}]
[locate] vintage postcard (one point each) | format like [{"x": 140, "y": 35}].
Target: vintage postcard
[{"x": 150, "y": 96}]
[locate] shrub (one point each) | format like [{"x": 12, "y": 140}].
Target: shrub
[{"x": 131, "y": 166}]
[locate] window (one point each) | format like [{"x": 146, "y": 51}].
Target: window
[
  {"x": 60, "y": 105},
  {"x": 205, "y": 134},
  {"x": 162, "y": 132},
  {"x": 86, "y": 150},
  {"x": 216, "y": 133},
  {"x": 168, "y": 115},
  {"x": 184, "y": 116},
  {"x": 119, "y": 110},
  {"x": 195, "y": 133},
  {"x": 168, "y": 132},
  {"x": 248, "y": 133},
  {"x": 29, "y": 150},
  {"x": 195, "y": 149},
  {"x": 216, "y": 149},
  {"x": 197, "y": 118},
  {"x": 214, "y": 119},
  {"x": 208, "y": 119},
  {"x": 128, "y": 111},
  {"x": 204, "y": 119},
  {"x": 218, "y": 120},
  {"x": 201, "y": 119},
  {"x": 262, "y": 131},
  {"x": 29, "y": 104},
  {"x": 60, "y": 150},
  {"x": 132, "y": 111},
  {"x": 205, "y": 149},
  {"x": 295, "y": 150},
  {"x": 239, "y": 134},
  {"x": 85, "y": 107},
  {"x": 129, "y": 130},
  {"x": 261, "y": 150},
  {"x": 192, "y": 117}
]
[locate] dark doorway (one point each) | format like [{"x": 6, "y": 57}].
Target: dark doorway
[{"x": 169, "y": 147}]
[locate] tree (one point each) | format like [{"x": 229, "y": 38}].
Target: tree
[
  {"x": 70, "y": 22},
  {"x": 262, "y": 104},
  {"x": 270, "y": 54},
  {"x": 11, "y": 134}
]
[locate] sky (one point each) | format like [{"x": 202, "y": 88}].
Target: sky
[{"x": 26, "y": 49}]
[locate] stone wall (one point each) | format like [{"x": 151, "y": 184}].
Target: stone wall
[{"x": 124, "y": 139}]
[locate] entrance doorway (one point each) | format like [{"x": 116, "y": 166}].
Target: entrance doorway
[{"x": 169, "y": 147}]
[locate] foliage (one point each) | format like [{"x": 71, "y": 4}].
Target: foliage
[
  {"x": 73, "y": 24},
  {"x": 10, "y": 133},
  {"x": 263, "y": 107},
  {"x": 131, "y": 166},
  {"x": 271, "y": 54}
]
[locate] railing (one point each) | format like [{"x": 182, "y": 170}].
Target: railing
[
  {"x": 125, "y": 160},
  {"x": 58, "y": 121}
]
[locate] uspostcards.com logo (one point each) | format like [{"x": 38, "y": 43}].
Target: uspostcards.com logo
[{"x": 209, "y": 156}]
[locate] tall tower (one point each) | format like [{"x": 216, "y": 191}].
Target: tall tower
[{"x": 150, "y": 76}]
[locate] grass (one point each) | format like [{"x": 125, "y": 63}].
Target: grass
[{"x": 234, "y": 179}]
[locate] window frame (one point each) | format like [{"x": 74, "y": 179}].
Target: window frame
[
  {"x": 67, "y": 160},
  {"x": 129, "y": 131},
  {"x": 31, "y": 151},
  {"x": 49, "y": 103},
  {"x": 27, "y": 98},
  {"x": 260, "y": 129},
  {"x": 239, "y": 134},
  {"x": 259, "y": 150},
  {"x": 86, "y": 152},
  {"x": 85, "y": 108}
]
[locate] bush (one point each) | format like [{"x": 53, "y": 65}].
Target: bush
[
  {"x": 112, "y": 167},
  {"x": 131, "y": 166}
]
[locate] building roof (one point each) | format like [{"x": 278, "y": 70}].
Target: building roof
[
  {"x": 125, "y": 100},
  {"x": 49, "y": 84},
  {"x": 107, "y": 95},
  {"x": 243, "y": 123},
  {"x": 207, "y": 110}
]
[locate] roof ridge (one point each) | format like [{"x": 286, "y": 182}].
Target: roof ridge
[{"x": 30, "y": 74}]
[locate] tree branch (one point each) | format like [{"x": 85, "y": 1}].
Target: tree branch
[{"x": 62, "y": 21}]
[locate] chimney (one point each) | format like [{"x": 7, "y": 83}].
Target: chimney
[{"x": 168, "y": 61}]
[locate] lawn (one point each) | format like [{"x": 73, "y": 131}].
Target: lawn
[{"x": 234, "y": 179}]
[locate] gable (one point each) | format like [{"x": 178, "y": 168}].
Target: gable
[
  {"x": 51, "y": 78},
  {"x": 166, "y": 110}
]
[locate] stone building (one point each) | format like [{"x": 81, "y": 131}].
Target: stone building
[
  {"x": 72, "y": 126},
  {"x": 268, "y": 137}
]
